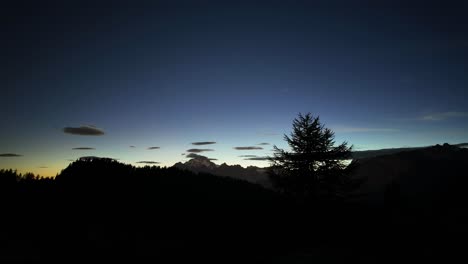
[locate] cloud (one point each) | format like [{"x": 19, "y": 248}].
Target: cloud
[
  {"x": 198, "y": 150},
  {"x": 83, "y": 148},
  {"x": 351, "y": 129},
  {"x": 195, "y": 156},
  {"x": 253, "y": 157},
  {"x": 84, "y": 131},
  {"x": 263, "y": 144},
  {"x": 203, "y": 143},
  {"x": 9, "y": 155},
  {"x": 443, "y": 116},
  {"x": 182, "y": 154},
  {"x": 150, "y": 148},
  {"x": 132, "y": 146},
  {"x": 257, "y": 158},
  {"x": 147, "y": 162},
  {"x": 43, "y": 167},
  {"x": 248, "y": 148}
]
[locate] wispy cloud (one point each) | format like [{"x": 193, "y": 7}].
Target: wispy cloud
[
  {"x": 443, "y": 116},
  {"x": 257, "y": 158},
  {"x": 83, "y": 148},
  {"x": 147, "y": 162},
  {"x": 196, "y": 156},
  {"x": 200, "y": 143},
  {"x": 43, "y": 167},
  {"x": 352, "y": 129},
  {"x": 248, "y": 148},
  {"x": 253, "y": 157},
  {"x": 263, "y": 144},
  {"x": 132, "y": 147},
  {"x": 86, "y": 130},
  {"x": 150, "y": 148},
  {"x": 198, "y": 150},
  {"x": 9, "y": 155}
]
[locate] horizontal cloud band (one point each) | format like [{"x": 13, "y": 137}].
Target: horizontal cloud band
[
  {"x": 84, "y": 131},
  {"x": 203, "y": 143},
  {"x": 147, "y": 162},
  {"x": 83, "y": 148},
  {"x": 198, "y": 150},
  {"x": 247, "y": 148},
  {"x": 10, "y": 155}
]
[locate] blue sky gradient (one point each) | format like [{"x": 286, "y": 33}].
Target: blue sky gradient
[{"x": 167, "y": 74}]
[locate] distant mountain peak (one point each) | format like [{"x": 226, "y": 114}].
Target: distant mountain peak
[
  {"x": 205, "y": 165},
  {"x": 199, "y": 162}
]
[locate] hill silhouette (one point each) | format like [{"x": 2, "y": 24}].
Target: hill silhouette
[
  {"x": 362, "y": 154},
  {"x": 98, "y": 209},
  {"x": 424, "y": 177}
]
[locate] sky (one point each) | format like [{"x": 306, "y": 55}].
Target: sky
[{"x": 115, "y": 78}]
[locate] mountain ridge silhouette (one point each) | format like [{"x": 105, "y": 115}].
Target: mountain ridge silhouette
[
  {"x": 202, "y": 164},
  {"x": 420, "y": 175}
]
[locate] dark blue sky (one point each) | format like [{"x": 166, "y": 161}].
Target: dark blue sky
[{"x": 171, "y": 73}]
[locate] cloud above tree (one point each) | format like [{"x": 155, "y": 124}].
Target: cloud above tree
[{"x": 150, "y": 148}]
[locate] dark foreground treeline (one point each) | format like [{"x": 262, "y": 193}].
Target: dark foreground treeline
[{"x": 102, "y": 210}]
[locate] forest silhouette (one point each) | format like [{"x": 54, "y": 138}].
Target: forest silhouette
[{"x": 98, "y": 209}]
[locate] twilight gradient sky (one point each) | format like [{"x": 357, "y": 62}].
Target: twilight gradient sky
[{"x": 170, "y": 73}]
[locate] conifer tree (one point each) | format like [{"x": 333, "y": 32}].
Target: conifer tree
[{"x": 314, "y": 168}]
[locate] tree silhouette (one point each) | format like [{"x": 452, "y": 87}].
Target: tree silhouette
[{"x": 314, "y": 168}]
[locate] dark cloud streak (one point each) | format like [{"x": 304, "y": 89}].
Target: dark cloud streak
[
  {"x": 258, "y": 158},
  {"x": 147, "y": 162},
  {"x": 83, "y": 148},
  {"x": 196, "y": 156},
  {"x": 83, "y": 131},
  {"x": 248, "y": 148},
  {"x": 198, "y": 150},
  {"x": 10, "y": 155},
  {"x": 203, "y": 143}
]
